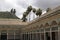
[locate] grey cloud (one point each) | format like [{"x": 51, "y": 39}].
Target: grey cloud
[
  {"x": 23, "y": 4},
  {"x": 46, "y": 3},
  {"x": 5, "y": 6},
  {"x": 43, "y": 4}
]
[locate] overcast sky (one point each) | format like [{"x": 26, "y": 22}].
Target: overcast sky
[{"x": 21, "y": 5}]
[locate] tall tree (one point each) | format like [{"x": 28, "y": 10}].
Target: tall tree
[
  {"x": 28, "y": 11},
  {"x": 48, "y": 9},
  {"x": 11, "y": 10},
  {"x": 29, "y": 8},
  {"x": 14, "y": 11},
  {"x": 24, "y": 14},
  {"x": 24, "y": 17},
  {"x": 39, "y": 12},
  {"x": 34, "y": 10}
]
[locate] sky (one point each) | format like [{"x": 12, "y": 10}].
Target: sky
[{"x": 21, "y": 5}]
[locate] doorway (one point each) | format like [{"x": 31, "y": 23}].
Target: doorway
[
  {"x": 42, "y": 36},
  {"x": 47, "y": 35},
  {"x": 54, "y": 35},
  {"x": 3, "y": 36}
]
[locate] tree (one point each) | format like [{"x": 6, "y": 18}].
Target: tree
[
  {"x": 29, "y": 8},
  {"x": 48, "y": 9},
  {"x": 24, "y": 19},
  {"x": 27, "y": 12},
  {"x": 34, "y": 10},
  {"x": 39, "y": 12},
  {"x": 14, "y": 11},
  {"x": 24, "y": 14}
]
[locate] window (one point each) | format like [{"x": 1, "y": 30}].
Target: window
[{"x": 54, "y": 28}]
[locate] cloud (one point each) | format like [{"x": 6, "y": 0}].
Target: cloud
[
  {"x": 43, "y": 4},
  {"x": 8, "y": 4},
  {"x": 21, "y": 5}
]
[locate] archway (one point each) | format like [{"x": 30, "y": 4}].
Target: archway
[
  {"x": 54, "y": 30},
  {"x": 53, "y": 23},
  {"x": 46, "y": 25}
]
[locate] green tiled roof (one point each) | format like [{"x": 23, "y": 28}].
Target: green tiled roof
[{"x": 8, "y": 15}]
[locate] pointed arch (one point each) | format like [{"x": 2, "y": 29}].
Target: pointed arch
[
  {"x": 41, "y": 25},
  {"x": 54, "y": 23},
  {"x": 46, "y": 25},
  {"x": 59, "y": 23}
]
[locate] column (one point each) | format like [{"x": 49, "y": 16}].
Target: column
[
  {"x": 14, "y": 35},
  {"x": 59, "y": 33},
  {"x": 7, "y": 35},
  {"x": 44, "y": 35},
  {"x": 17, "y": 35},
  {"x": 27, "y": 36},
  {"x": 0, "y": 34},
  {"x": 30, "y": 36},
  {"x": 34, "y": 36},
  {"x": 50, "y": 34},
  {"x": 10, "y": 35},
  {"x": 40, "y": 36},
  {"x": 22, "y": 36}
]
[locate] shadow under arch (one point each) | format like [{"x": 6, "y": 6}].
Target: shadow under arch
[
  {"x": 59, "y": 23},
  {"x": 46, "y": 25},
  {"x": 53, "y": 23},
  {"x": 41, "y": 25}
]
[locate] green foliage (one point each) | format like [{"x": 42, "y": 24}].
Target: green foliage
[
  {"x": 14, "y": 11},
  {"x": 39, "y": 12},
  {"x": 29, "y": 8},
  {"x": 48, "y": 9},
  {"x": 24, "y": 19},
  {"x": 27, "y": 12},
  {"x": 34, "y": 10},
  {"x": 24, "y": 14}
]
